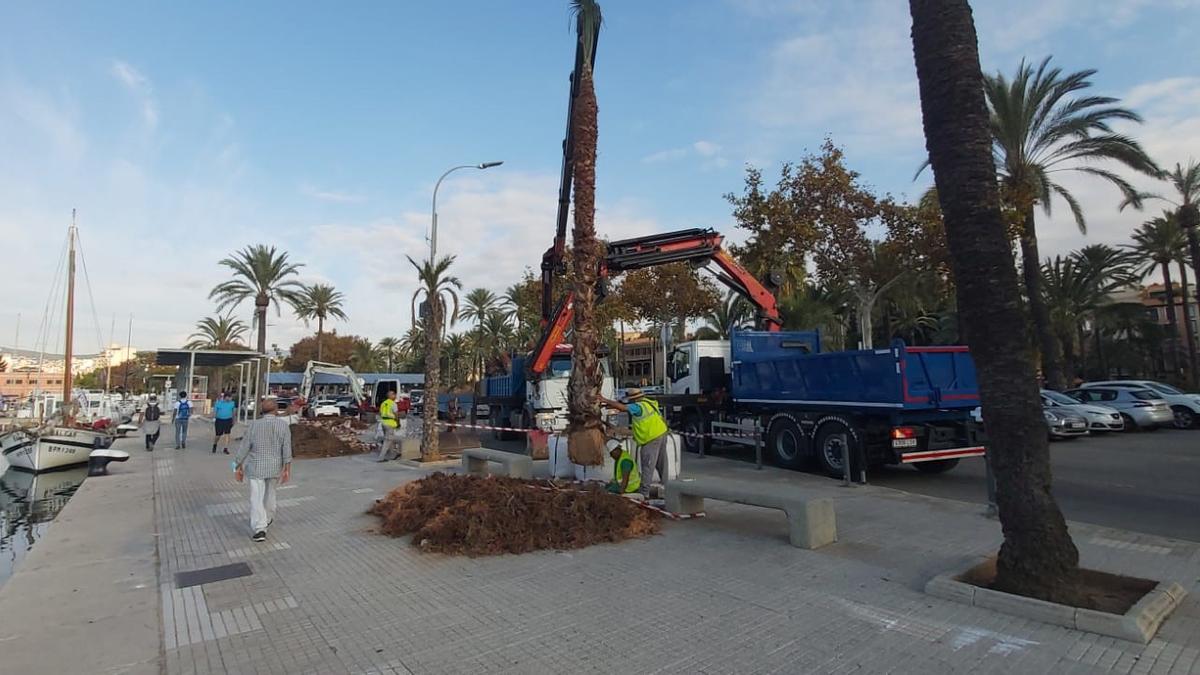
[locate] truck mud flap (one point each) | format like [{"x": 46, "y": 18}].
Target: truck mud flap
[{"x": 948, "y": 453}]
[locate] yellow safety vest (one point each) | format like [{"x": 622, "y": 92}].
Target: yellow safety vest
[
  {"x": 650, "y": 424},
  {"x": 387, "y": 412},
  {"x": 635, "y": 477}
]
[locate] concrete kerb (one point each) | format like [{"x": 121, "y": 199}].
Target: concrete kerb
[
  {"x": 1139, "y": 624},
  {"x": 811, "y": 521},
  {"x": 475, "y": 462}
]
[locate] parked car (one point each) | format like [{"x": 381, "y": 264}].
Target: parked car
[
  {"x": 1142, "y": 409},
  {"x": 1064, "y": 423},
  {"x": 326, "y": 407},
  {"x": 417, "y": 396},
  {"x": 1099, "y": 417},
  {"x": 1185, "y": 406},
  {"x": 347, "y": 406}
]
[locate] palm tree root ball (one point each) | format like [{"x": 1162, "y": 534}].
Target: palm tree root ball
[{"x": 475, "y": 515}]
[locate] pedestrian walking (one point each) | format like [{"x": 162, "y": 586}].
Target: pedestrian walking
[
  {"x": 180, "y": 415},
  {"x": 151, "y": 426},
  {"x": 390, "y": 422},
  {"x": 223, "y": 411},
  {"x": 265, "y": 460},
  {"x": 649, "y": 431}
]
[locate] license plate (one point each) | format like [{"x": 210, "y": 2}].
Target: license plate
[
  {"x": 904, "y": 443},
  {"x": 1076, "y": 425}
]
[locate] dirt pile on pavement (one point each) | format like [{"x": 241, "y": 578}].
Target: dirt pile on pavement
[
  {"x": 475, "y": 515},
  {"x": 311, "y": 438}
]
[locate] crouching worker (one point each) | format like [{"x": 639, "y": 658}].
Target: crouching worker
[{"x": 626, "y": 477}]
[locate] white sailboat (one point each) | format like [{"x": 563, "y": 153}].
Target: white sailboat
[{"x": 58, "y": 442}]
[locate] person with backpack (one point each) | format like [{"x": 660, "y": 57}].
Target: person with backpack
[
  {"x": 150, "y": 422},
  {"x": 180, "y": 416}
]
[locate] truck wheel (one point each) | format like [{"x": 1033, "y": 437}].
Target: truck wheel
[
  {"x": 831, "y": 438},
  {"x": 693, "y": 439},
  {"x": 937, "y": 466},
  {"x": 787, "y": 443}
]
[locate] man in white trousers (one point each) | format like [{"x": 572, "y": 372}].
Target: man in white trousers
[{"x": 265, "y": 458}]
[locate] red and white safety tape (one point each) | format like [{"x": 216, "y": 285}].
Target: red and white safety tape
[{"x": 450, "y": 426}]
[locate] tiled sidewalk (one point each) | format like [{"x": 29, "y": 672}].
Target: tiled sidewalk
[{"x": 723, "y": 594}]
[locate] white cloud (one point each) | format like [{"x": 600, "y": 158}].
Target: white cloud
[
  {"x": 708, "y": 152},
  {"x": 139, "y": 85}
]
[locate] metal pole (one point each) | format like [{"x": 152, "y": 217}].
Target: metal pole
[
  {"x": 757, "y": 444},
  {"x": 191, "y": 374},
  {"x": 241, "y": 397},
  {"x": 254, "y": 388},
  {"x": 433, "y": 220},
  {"x": 846, "y": 482}
]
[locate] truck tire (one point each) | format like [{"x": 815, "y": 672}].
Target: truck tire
[
  {"x": 831, "y": 437},
  {"x": 787, "y": 443},
  {"x": 937, "y": 466},
  {"x": 694, "y": 440}
]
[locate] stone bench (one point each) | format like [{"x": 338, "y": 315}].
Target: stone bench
[
  {"x": 475, "y": 461},
  {"x": 811, "y": 522}
]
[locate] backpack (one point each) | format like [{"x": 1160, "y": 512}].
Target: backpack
[
  {"x": 185, "y": 410},
  {"x": 152, "y": 413}
]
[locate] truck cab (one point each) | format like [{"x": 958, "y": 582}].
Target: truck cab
[
  {"x": 546, "y": 398},
  {"x": 698, "y": 366}
]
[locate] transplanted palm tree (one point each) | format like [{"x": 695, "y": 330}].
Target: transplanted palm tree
[
  {"x": 1037, "y": 557},
  {"x": 263, "y": 274},
  {"x": 438, "y": 293},
  {"x": 389, "y": 351},
  {"x": 477, "y": 304},
  {"x": 219, "y": 332},
  {"x": 585, "y": 433},
  {"x": 732, "y": 312},
  {"x": 1044, "y": 124},
  {"x": 1160, "y": 242},
  {"x": 321, "y": 302}
]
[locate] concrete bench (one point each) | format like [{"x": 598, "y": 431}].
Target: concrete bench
[
  {"x": 811, "y": 522},
  {"x": 475, "y": 461}
]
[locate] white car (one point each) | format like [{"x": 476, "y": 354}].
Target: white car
[
  {"x": 326, "y": 407},
  {"x": 1099, "y": 417},
  {"x": 1185, "y": 406}
]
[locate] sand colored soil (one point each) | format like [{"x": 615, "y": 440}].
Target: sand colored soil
[
  {"x": 475, "y": 515},
  {"x": 1101, "y": 591},
  {"x": 311, "y": 438}
]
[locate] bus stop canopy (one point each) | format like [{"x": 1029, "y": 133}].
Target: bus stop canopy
[{"x": 219, "y": 358}]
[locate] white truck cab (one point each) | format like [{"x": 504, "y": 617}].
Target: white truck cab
[
  {"x": 547, "y": 397},
  {"x": 697, "y": 366}
]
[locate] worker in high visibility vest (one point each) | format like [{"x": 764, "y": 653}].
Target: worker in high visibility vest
[
  {"x": 390, "y": 422},
  {"x": 649, "y": 431},
  {"x": 626, "y": 477}
]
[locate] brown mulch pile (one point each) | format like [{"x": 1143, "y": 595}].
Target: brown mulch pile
[
  {"x": 312, "y": 438},
  {"x": 476, "y": 515}
]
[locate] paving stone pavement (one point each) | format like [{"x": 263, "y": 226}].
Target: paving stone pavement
[{"x": 723, "y": 594}]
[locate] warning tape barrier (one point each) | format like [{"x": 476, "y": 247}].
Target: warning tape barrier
[{"x": 451, "y": 426}]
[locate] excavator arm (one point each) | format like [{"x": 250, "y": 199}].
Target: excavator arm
[
  {"x": 697, "y": 246},
  {"x": 313, "y": 368}
]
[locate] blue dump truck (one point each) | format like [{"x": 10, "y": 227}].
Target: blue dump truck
[{"x": 899, "y": 405}]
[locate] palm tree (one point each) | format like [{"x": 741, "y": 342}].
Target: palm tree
[
  {"x": 1186, "y": 183},
  {"x": 1043, "y": 125},
  {"x": 263, "y": 274},
  {"x": 221, "y": 332},
  {"x": 731, "y": 313},
  {"x": 389, "y": 349},
  {"x": 457, "y": 347},
  {"x": 497, "y": 334},
  {"x": 364, "y": 359},
  {"x": 1107, "y": 269},
  {"x": 435, "y": 286},
  {"x": 585, "y": 435},
  {"x": 1160, "y": 242},
  {"x": 320, "y": 302},
  {"x": 477, "y": 304},
  {"x": 1037, "y": 557},
  {"x": 413, "y": 342}
]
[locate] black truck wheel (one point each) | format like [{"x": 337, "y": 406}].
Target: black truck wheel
[
  {"x": 787, "y": 443},
  {"x": 693, "y": 437},
  {"x": 832, "y": 437},
  {"x": 936, "y": 466}
]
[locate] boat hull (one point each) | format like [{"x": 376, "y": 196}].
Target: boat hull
[{"x": 49, "y": 449}]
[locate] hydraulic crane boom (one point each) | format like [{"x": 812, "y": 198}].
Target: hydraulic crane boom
[
  {"x": 696, "y": 246},
  {"x": 552, "y": 259}
]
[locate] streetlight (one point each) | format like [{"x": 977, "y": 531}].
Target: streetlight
[{"x": 433, "y": 230}]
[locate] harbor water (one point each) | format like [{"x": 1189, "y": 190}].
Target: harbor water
[{"x": 28, "y": 505}]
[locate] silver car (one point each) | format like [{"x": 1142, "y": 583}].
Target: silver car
[
  {"x": 1142, "y": 409},
  {"x": 1062, "y": 423},
  {"x": 1099, "y": 417}
]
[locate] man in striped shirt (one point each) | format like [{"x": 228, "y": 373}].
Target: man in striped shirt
[{"x": 265, "y": 458}]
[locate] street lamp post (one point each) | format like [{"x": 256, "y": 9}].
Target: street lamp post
[{"x": 433, "y": 229}]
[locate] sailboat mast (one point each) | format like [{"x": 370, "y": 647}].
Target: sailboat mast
[{"x": 70, "y": 312}]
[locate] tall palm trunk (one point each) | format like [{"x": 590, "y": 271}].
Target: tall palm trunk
[
  {"x": 1048, "y": 345},
  {"x": 1187, "y": 324},
  {"x": 320, "y": 335},
  {"x": 433, "y": 375},
  {"x": 586, "y": 439},
  {"x": 1037, "y": 557},
  {"x": 1171, "y": 350},
  {"x": 261, "y": 303},
  {"x": 1189, "y": 220}
]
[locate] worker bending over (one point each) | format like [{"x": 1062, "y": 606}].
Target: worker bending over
[{"x": 649, "y": 431}]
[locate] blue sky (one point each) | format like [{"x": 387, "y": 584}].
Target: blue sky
[{"x": 182, "y": 131}]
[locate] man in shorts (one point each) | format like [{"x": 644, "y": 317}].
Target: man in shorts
[{"x": 223, "y": 413}]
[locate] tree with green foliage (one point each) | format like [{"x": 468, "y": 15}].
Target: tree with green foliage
[
  {"x": 321, "y": 302},
  {"x": 437, "y": 293},
  {"x": 1160, "y": 242}
]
